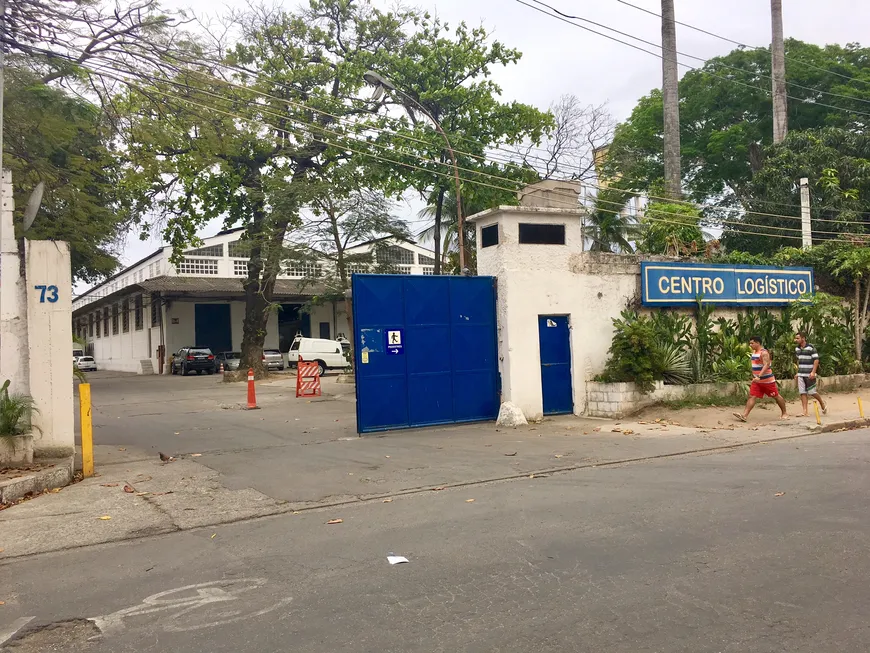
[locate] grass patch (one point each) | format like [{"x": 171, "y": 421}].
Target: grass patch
[{"x": 720, "y": 401}]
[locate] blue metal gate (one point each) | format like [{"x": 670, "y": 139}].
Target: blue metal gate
[{"x": 425, "y": 350}]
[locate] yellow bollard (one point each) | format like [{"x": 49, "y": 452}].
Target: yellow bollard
[
  {"x": 818, "y": 414},
  {"x": 860, "y": 408},
  {"x": 87, "y": 430}
]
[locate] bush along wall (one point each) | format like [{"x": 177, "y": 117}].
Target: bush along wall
[{"x": 680, "y": 349}]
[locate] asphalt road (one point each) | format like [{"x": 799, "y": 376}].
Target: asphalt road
[{"x": 760, "y": 549}]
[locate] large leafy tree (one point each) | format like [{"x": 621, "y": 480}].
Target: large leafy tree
[
  {"x": 255, "y": 151},
  {"x": 448, "y": 71},
  {"x": 60, "y": 139},
  {"x": 726, "y": 116},
  {"x": 837, "y": 164}
]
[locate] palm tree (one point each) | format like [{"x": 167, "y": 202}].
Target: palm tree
[
  {"x": 670, "y": 102},
  {"x": 444, "y": 232},
  {"x": 608, "y": 225}
]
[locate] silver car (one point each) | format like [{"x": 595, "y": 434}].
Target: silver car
[{"x": 273, "y": 359}]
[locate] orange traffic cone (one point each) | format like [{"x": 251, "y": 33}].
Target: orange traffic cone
[
  {"x": 252, "y": 395},
  {"x": 221, "y": 371}
]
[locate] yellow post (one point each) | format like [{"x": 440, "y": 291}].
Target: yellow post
[
  {"x": 818, "y": 414},
  {"x": 87, "y": 430},
  {"x": 860, "y": 408}
]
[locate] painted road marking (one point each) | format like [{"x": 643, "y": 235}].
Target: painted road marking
[
  {"x": 18, "y": 624},
  {"x": 184, "y": 601}
]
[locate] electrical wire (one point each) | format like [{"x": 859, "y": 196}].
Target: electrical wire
[
  {"x": 680, "y": 63},
  {"x": 801, "y": 62}
]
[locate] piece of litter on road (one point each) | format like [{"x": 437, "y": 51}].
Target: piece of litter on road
[
  {"x": 335, "y": 521},
  {"x": 108, "y": 485},
  {"x": 469, "y": 501},
  {"x": 177, "y": 433},
  {"x": 388, "y": 501},
  {"x": 558, "y": 455},
  {"x": 386, "y": 456},
  {"x": 4, "y": 602},
  {"x": 437, "y": 489},
  {"x": 121, "y": 449},
  {"x": 142, "y": 494},
  {"x": 195, "y": 455},
  {"x": 779, "y": 494},
  {"x": 128, "y": 489},
  {"x": 105, "y": 518},
  {"x": 628, "y": 432},
  {"x": 616, "y": 430},
  {"x": 213, "y": 535},
  {"x": 513, "y": 453},
  {"x": 531, "y": 476},
  {"x": 56, "y": 490},
  {"x": 395, "y": 560}
]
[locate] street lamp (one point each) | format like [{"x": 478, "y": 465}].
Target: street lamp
[{"x": 383, "y": 85}]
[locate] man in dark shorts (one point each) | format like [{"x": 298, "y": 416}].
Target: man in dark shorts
[
  {"x": 808, "y": 368},
  {"x": 763, "y": 382}
]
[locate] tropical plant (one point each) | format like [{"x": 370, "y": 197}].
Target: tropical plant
[
  {"x": 732, "y": 368},
  {"x": 16, "y": 413},
  {"x": 609, "y": 225},
  {"x": 672, "y": 327},
  {"x": 671, "y": 229},
  {"x": 634, "y": 355},
  {"x": 675, "y": 364}
]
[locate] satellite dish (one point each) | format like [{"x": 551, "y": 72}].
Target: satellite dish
[{"x": 33, "y": 205}]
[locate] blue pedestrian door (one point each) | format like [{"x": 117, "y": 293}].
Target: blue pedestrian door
[
  {"x": 554, "y": 338},
  {"x": 425, "y": 350}
]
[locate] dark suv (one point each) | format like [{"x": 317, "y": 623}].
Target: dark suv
[{"x": 193, "y": 359}]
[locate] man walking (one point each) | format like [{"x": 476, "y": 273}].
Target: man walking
[
  {"x": 763, "y": 382},
  {"x": 808, "y": 369}
]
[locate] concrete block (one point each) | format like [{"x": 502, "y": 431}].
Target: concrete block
[
  {"x": 16, "y": 450},
  {"x": 510, "y": 415},
  {"x": 60, "y": 475}
]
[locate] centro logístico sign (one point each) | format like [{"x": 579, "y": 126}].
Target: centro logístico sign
[{"x": 675, "y": 284}]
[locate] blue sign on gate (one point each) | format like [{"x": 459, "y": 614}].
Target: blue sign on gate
[{"x": 675, "y": 284}]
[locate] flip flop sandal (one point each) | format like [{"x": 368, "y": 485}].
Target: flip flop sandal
[{"x": 739, "y": 416}]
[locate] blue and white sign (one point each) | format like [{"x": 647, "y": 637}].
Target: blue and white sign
[
  {"x": 677, "y": 284},
  {"x": 395, "y": 341}
]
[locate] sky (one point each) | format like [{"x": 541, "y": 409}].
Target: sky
[{"x": 559, "y": 58}]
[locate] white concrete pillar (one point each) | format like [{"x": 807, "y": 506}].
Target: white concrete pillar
[
  {"x": 49, "y": 319},
  {"x": 14, "y": 363}
]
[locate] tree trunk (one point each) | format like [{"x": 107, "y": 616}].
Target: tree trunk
[
  {"x": 858, "y": 319},
  {"x": 439, "y": 208},
  {"x": 671, "y": 102},
  {"x": 777, "y": 55}
]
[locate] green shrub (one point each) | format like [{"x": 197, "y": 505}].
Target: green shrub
[
  {"x": 634, "y": 355},
  {"x": 16, "y": 412}
]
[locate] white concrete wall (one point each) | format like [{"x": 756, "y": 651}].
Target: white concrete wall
[
  {"x": 50, "y": 335},
  {"x": 536, "y": 280},
  {"x": 124, "y": 352}
]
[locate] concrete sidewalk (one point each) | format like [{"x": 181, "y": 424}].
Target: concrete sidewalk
[{"x": 193, "y": 492}]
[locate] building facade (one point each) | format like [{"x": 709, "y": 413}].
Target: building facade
[{"x": 136, "y": 319}]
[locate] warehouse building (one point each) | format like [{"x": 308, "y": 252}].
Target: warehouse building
[{"x": 136, "y": 319}]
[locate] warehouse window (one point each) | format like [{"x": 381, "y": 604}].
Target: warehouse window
[
  {"x": 198, "y": 266},
  {"x": 106, "y": 321},
  {"x": 125, "y": 315},
  {"x": 97, "y": 324},
  {"x": 115, "y": 319},
  {"x": 139, "y": 313},
  {"x": 211, "y": 250},
  {"x": 91, "y": 325},
  {"x": 395, "y": 255},
  {"x": 542, "y": 234},
  {"x": 155, "y": 309},
  {"x": 240, "y": 268}
]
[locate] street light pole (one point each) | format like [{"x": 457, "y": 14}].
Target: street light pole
[{"x": 385, "y": 85}]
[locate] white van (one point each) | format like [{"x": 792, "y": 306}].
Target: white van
[{"x": 326, "y": 352}]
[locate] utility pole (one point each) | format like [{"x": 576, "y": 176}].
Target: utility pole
[
  {"x": 806, "y": 225},
  {"x": 671, "y": 102},
  {"x": 777, "y": 56}
]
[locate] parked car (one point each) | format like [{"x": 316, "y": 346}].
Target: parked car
[
  {"x": 193, "y": 359},
  {"x": 273, "y": 359},
  {"x": 328, "y": 353},
  {"x": 86, "y": 363},
  {"x": 230, "y": 360}
]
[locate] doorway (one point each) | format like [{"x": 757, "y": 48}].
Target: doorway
[
  {"x": 212, "y": 327},
  {"x": 554, "y": 338}
]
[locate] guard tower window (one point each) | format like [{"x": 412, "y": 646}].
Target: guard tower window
[
  {"x": 489, "y": 236},
  {"x": 542, "y": 234}
]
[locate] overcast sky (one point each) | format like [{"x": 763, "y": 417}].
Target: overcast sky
[{"x": 559, "y": 58}]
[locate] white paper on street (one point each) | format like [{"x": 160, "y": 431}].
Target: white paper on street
[{"x": 394, "y": 560}]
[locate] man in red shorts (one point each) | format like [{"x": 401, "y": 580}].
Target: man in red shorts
[{"x": 763, "y": 382}]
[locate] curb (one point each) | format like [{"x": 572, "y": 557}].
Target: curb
[
  {"x": 845, "y": 425},
  {"x": 60, "y": 475}
]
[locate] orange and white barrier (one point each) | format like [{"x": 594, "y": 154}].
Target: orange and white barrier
[
  {"x": 307, "y": 379},
  {"x": 252, "y": 394}
]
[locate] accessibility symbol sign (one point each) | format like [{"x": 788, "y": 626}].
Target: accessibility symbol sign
[{"x": 395, "y": 341}]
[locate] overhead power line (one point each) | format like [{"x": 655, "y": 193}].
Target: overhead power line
[
  {"x": 801, "y": 62},
  {"x": 556, "y": 14},
  {"x": 478, "y": 173}
]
